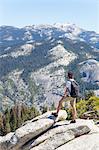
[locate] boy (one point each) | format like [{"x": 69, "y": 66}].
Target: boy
[{"x": 69, "y": 95}]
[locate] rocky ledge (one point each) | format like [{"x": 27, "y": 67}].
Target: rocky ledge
[{"x": 44, "y": 133}]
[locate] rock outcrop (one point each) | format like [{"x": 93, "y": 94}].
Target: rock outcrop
[
  {"x": 26, "y": 133},
  {"x": 43, "y": 133},
  {"x": 85, "y": 142}
]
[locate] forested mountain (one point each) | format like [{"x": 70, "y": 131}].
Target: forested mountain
[{"x": 35, "y": 59}]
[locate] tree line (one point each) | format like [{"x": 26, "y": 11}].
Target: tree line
[{"x": 13, "y": 118}]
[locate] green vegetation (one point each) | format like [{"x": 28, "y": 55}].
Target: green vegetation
[
  {"x": 81, "y": 107},
  {"x": 13, "y": 118},
  {"x": 7, "y": 127},
  {"x": 69, "y": 114},
  {"x": 1, "y": 124},
  {"x": 93, "y": 103}
]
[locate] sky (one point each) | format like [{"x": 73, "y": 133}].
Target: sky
[{"x": 20, "y": 13}]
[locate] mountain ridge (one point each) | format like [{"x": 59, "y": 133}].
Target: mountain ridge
[{"x": 32, "y": 55}]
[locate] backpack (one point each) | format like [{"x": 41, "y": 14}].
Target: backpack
[{"x": 74, "y": 89}]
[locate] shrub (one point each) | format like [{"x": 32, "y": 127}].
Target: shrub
[
  {"x": 93, "y": 104},
  {"x": 81, "y": 107},
  {"x": 69, "y": 113}
]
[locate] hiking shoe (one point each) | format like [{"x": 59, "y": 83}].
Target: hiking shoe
[
  {"x": 73, "y": 121},
  {"x": 54, "y": 114}
]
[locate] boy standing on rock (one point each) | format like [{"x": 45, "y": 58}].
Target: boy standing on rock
[{"x": 71, "y": 93}]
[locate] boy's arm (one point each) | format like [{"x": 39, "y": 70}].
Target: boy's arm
[{"x": 65, "y": 94}]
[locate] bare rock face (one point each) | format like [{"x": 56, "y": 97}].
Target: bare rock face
[
  {"x": 89, "y": 70},
  {"x": 43, "y": 133},
  {"x": 61, "y": 138},
  {"x": 62, "y": 133},
  {"x": 25, "y": 133},
  {"x": 85, "y": 142}
]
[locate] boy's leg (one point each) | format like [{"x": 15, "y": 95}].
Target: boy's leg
[
  {"x": 73, "y": 105},
  {"x": 60, "y": 105}
]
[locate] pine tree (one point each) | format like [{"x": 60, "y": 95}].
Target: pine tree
[
  {"x": 19, "y": 109},
  {"x": 24, "y": 113},
  {"x": 33, "y": 112},
  {"x": 1, "y": 123},
  {"x": 7, "y": 127},
  {"x": 13, "y": 119}
]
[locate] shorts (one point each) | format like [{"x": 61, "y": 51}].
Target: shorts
[{"x": 70, "y": 99}]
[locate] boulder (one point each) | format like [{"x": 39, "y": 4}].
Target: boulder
[
  {"x": 62, "y": 115},
  {"x": 25, "y": 133}
]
